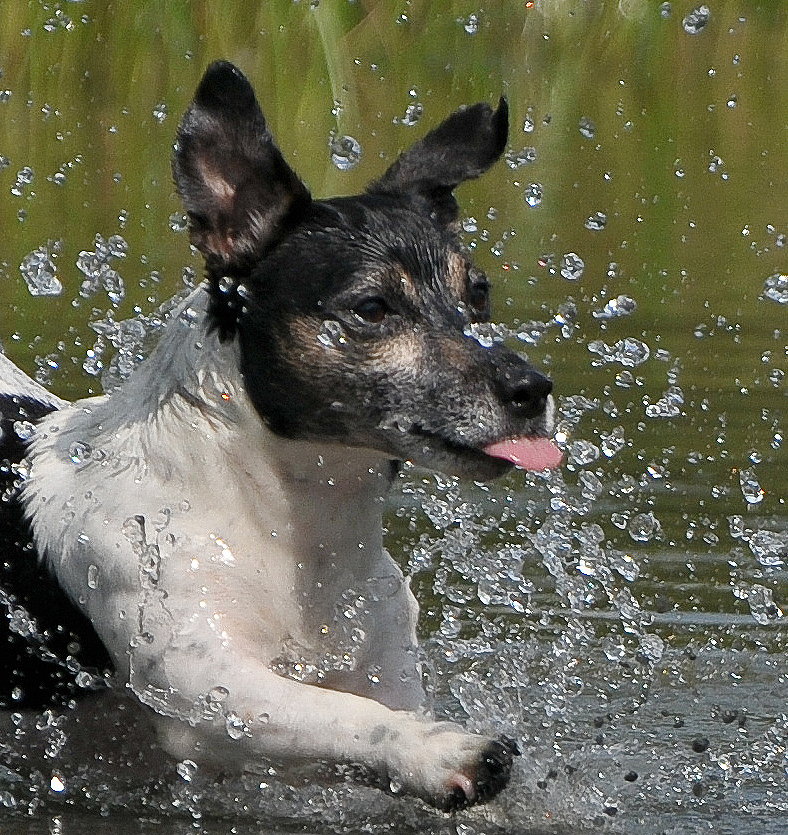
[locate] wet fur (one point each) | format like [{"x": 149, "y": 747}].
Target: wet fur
[{"x": 223, "y": 535}]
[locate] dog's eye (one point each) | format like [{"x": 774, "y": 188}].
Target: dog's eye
[
  {"x": 373, "y": 310},
  {"x": 479, "y": 295}
]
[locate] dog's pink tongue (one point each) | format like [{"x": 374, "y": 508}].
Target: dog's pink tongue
[{"x": 530, "y": 453}]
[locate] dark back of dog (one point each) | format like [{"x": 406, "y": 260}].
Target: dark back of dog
[{"x": 49, "y": 652}]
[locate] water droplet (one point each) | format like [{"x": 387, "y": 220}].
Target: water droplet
[
  {"x": 160, "y": 112},
  {"x": 117, "y": 246},
  {"x": 761, "y": 602},
  {"x": 178, "y": 222},
  {"x": 533, "y": 194},
  {"x": 24, "y": 429},
  {"x": 38, "y": 270},
  {"x": 471, "y": 24},
  {"x": 643, "y": 527},
  {"x": 113, "y": 284},
  {"x": 332, "y": 334},
  {"x": 668, "y": 406},
  {"x": 516, "y": 159},
  {"x": 596, "y": 222},
  {"x": 652, "y": 646},
  {"x": 218, "y": 694},
  {"x": 186, "y": 770},
  {"x": 89, "y": 263},
  {"x": 750, "y": 486},
  {"x": 572, "y": 266},
  {"x": 485, "y": 333},
  {"x": 629, "y": 352},
  {"x": 625, "y": 565},
  {"x": 24, "y": 177},
  {"x": 57, "y": 783},
  {"x": 769, "y": 547},
  {"x": 587, "y": 128},
  {"x": 619, "y": 306},
  {"x": 582, "y": 453},
  {"x": 613, "y": 442},
  {"x": 93, "y": 575},
  {"x": 665, "y": 10},
  {"x": 236, "y": 727},
  {"x": 715, "y": 163},
  {"x": 696, "y": 20},
  {"x": 345, "y": 152},
  {"x": 88, "y": 681},
  {"x": 413, "y": 113},
  {"x": 79, "y": 452}
]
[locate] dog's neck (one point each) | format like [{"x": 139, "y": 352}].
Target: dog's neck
[
  {"x": 184, "y": 419},
  {"x": 191, "y": 391}
]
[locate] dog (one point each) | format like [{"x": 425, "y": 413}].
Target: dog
[{"x": 210, "y": 533}]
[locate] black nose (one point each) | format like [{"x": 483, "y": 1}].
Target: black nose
[{"x": 526, "y": 393}]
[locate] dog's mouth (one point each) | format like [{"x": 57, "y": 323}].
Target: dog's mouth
[
  {"x": 463, "y": 452},
  {"x": 528, "y": 452}
]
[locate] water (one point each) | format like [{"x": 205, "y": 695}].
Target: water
[
  {"x": 345, "y": 152},
  {"x": 624, "y": 619},
  {"x": 39, "y": 271},
  {"x": 697, "y": 20}
]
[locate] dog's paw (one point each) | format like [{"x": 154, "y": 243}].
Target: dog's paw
[
  {"x": 452, "y": 770},
  {"x": 479, "y": 781}
]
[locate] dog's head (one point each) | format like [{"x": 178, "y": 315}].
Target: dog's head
[{"x": 355, "y": 315}]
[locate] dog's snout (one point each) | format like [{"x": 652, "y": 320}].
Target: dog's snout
[{"x": 527, "y": 392}]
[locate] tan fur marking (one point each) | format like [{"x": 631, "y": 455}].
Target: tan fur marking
[
  {"x": 404, "y": 351},
  {"x": 220, "y": 188},
  {"x": 458, "y": 274},
  {"x": 408, "y": 285}
]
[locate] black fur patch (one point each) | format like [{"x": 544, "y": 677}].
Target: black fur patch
[{"x": 45, "y": 641}]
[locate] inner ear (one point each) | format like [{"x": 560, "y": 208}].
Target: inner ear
[
  {"x": 238, "y": 191},
  {"x": 461, "y": 148}
]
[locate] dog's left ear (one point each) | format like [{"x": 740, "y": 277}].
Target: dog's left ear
[
  {"x": 462, "y": 147},
  {"x": 239, "y": 192}
]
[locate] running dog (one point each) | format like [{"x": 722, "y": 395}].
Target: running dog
[{"x": 215, "y": 523}]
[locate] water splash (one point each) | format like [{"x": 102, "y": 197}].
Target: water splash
[
  {"x": 517, "y": 159},
  {"x": 697, "y": 20},
  {"x": 39, "y": 271},
  {"x": 95, "y": 265},
  {"x": 587, "y": 128},
  {"x": 470, "y": 24},
  {"x": 629, "y": 352},
  {"x": 572, "y": 266},
  {"x": 533, "y": 194},
  {"x": 596, "y": 222},
  {"x": 413, "y": 112},
  {"x": 775, "y": 288},
  {"x": 619, "y": 306}
]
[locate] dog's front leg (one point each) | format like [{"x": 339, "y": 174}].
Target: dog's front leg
[{"x": 265, "y": 717}]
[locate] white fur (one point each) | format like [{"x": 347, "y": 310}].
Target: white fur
[
  {"x": 238, "y": 579},
  {"x": 16, "y": 383}
]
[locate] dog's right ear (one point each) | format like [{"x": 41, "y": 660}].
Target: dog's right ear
[{"x": 238, "y": 191}]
